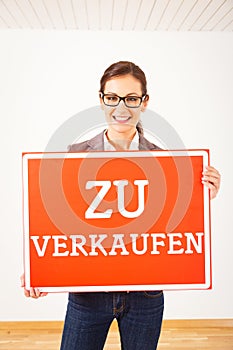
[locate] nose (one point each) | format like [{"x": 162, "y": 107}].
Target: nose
[{"x": 121, "y": 106}]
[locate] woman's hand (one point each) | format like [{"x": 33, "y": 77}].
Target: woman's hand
[
  {"x": 211, "y": 178},
  {"x": 33, "y": 292}
]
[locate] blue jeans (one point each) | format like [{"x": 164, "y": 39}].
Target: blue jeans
[{"x": 89, "y": 316}]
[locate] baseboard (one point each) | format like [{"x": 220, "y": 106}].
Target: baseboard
[
  {"x": 14, "y": 325},
  {"x": 198, "y": 323},
  {"x": 58, "y": 325}
]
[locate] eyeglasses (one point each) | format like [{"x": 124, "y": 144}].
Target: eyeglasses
[{"x": 114, "y": 100}]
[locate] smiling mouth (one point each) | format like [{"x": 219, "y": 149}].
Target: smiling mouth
[{"x": 121, "y": 119}]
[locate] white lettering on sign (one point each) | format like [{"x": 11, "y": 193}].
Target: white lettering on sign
[
  {"x": 90, "y": 212},
  {"x": 157, "y": 243},
  {"x": 175, "y": 242},
  {"x": 120, "y": 184},
  {"x": 121, "y": 244},
  {"x": 78, "y": 241},
  {"x": 97, "y": 244},
  {"x": 121, "y": 197},
  {"x": 58, "y": 245},
  {"x": 135, "y": 237},
  {"x": 40, "y": 251},
  {"x": 118, "y": 243},
  {"x": 197, "y": 244}
]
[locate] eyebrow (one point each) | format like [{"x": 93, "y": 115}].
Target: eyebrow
[{"x": 130, "y": 94}]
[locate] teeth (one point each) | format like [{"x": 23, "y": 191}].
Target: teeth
[{"x": 121, "y": 118}]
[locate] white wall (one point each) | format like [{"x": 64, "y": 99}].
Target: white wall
[{"x": 47, "y": 77}]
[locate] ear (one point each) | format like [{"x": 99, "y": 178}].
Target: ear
[
  {"x": 101, "y": 101},
  {"x": 144, "y": 103}
]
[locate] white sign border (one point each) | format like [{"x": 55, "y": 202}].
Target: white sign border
[{"x": 114, "y": 154}]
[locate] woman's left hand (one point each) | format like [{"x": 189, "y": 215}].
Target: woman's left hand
[{"x": 211, "y": 178}]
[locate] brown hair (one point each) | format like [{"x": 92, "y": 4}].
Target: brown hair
[{"x": 123, "y": 68}]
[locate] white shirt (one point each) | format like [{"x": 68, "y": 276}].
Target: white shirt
[{"x": 134, "y": 145}]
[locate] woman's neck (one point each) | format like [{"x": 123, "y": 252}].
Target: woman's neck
[{"x": 120, "y": 141}]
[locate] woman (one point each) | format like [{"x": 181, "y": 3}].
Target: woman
[{"x": 123, "y": 96}]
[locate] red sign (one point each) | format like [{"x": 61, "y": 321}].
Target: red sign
[{"x": 114, "y": 221}]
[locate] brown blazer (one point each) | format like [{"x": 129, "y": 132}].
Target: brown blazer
[{"x": 97, "y": 144}]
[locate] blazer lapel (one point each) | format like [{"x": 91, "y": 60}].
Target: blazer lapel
[
  {"x": 144, "y": 144},
  {"x": 97, "y": 142}
]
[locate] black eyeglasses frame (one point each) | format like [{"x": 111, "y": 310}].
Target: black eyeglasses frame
[{"x": 142, "y": 98}]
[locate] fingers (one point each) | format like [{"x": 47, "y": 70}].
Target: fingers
[
  {"x": 211, "y": 178},
  {"x": 32, "y": 292},
  {"x": 35, "y": 293},
  {"x": 210, "y": 170},
  {"x": 22, "y": 280}
]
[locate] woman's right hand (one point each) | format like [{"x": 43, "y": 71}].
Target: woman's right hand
[{"x": 33, "y": 292}]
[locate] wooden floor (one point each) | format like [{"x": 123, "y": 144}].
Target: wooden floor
[{"x": 176, "y": 334}]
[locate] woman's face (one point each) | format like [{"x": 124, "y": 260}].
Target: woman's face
[{"x": 122, "y": 120}]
